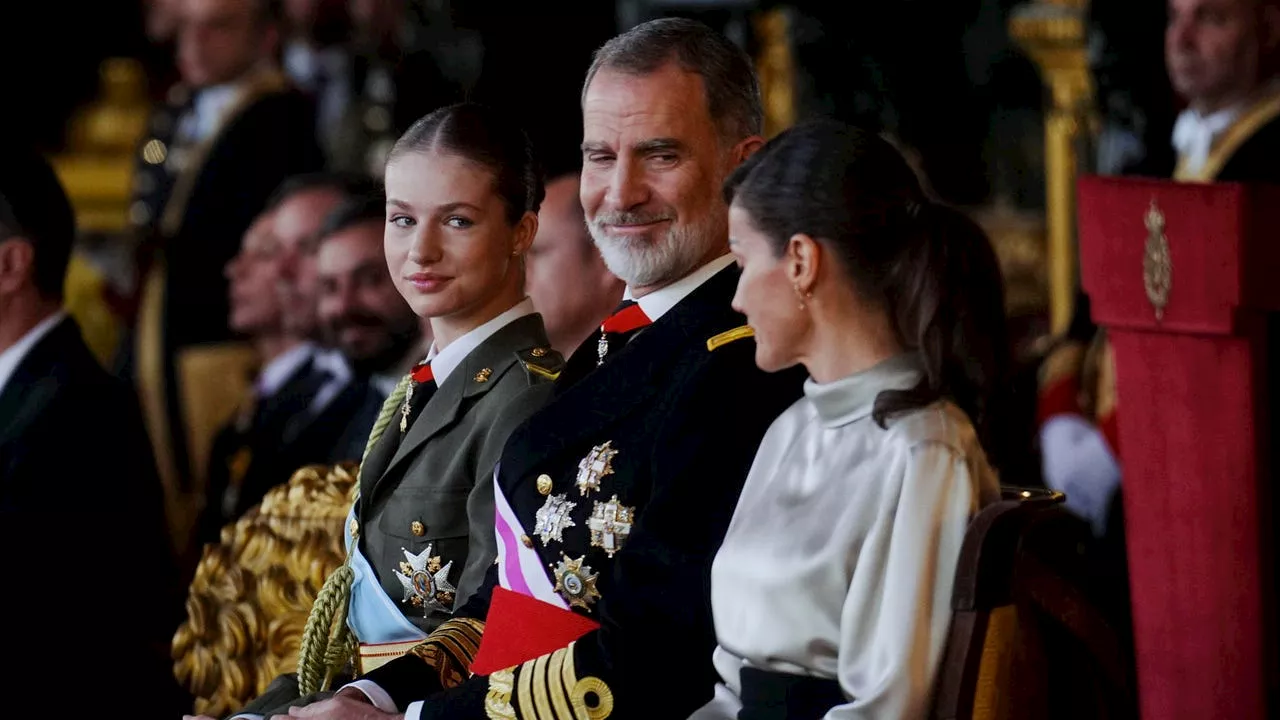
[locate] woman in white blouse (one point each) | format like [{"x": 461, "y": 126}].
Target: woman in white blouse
[{"x": 831, "y": 592}]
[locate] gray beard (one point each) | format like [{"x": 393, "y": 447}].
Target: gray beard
[{"x": 641, "y": 263}]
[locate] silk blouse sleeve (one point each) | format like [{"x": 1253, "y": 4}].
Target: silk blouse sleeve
[{"x": 897, "y": 613}]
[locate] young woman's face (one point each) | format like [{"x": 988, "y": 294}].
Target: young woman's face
[
  {"x": 449, "y": 246},
  {"x": 766, "y": 295}
]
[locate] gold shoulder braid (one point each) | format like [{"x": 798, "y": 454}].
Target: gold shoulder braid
[
  {"x": 548, "y": 689},
  {"x": 729, "y": 336},
  {"x": 541, "y": 362},
  {"x": 327, "y": 643}
]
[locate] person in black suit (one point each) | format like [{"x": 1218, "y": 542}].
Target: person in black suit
[
  {"x": 81, "y": 515},
  {"x": 309, "y": 404},
  {"x": 233, "y": 130},
  {"x": 612, "y": 500}
]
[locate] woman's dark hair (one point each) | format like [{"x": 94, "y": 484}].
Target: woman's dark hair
[
  {"x": 485, "y": 136},
  {"x": 931, "y": 268}
]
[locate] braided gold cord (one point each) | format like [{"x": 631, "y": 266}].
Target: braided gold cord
[{"x": 327, "y": 642}]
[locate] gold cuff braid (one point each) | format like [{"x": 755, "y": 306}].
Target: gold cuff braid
[
  {"x": 548, "y": 689},
  {"x": 497, "y": 704},
  {"x": 450, "y": 649}
]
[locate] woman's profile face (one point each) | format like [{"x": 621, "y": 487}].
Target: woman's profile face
[
  {"x": 449, "y": 246},
  {"x": 766, "y": 295}
]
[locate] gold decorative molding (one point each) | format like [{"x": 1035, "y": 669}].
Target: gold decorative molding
[
  {"x": 97, "y": 167},
  {"x": 1053, "y": 33},
  {"x": 776, "y": 68},
  {"x": 253, "y": 589}
]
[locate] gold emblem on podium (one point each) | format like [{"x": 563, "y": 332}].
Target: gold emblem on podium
[{"x": 1157, "y": 264}]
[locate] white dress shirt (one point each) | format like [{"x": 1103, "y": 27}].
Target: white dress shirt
[
  {"x": 657, "y": 303},
  {"x": 840, "y": 558},
  {"x": 207, "y": 112},
  {"x": 1194, "y": 134},
  {"x": 13, "y": 356},
  {"x": 280, "y": 368}
]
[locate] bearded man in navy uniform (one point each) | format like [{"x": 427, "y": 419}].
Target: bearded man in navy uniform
[{"x": 613, "y": 499}]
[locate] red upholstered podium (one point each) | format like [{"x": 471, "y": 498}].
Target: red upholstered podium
[{"x": 1182, "y": 277}]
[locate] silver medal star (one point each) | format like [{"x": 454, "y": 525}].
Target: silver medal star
[
  {"x": 426, "y": 582},
  {"x": 553, "y": 517}
]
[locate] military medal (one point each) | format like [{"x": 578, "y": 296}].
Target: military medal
[
  {"x": 552, "y": 518},
  {"x": 610, "y": 525},
  {"x": 404, "y": 408},
  {"x": 602, "y": 347},
  {"x": 426, "y": 583},
  {"x": 575, "y": 582},
  {"x": 628, "y": 316},
  {"x": 421, "y": 373},
  {"x": 597, "y": 464}
]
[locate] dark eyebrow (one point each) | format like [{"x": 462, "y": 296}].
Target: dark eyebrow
[
  {"x": 659, "y": 145},
  {"x": 588, "y": 147}
]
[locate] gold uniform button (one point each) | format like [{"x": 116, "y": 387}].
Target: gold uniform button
[
  {"x": 539, "y": 352},
  {"x": 526, "y": 540},
  {"x": 353, "y": 528},
  {"x": 544, "y": 484},
  {"x": 417, "y": 528}
]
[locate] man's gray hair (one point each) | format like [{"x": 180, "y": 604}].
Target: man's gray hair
[{"x": 733, "y": 92}]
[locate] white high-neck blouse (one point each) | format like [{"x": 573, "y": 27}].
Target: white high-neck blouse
[{"x": 841, "y": 556}]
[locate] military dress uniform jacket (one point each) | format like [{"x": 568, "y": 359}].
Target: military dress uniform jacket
[
  {"x": 429, "y": 491},
  {"x": 433, "y": 486},
  {"x": 675, "y": 416}
]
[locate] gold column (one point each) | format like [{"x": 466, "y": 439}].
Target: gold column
[
  {"x": 776, "y": 68},
  {"x": 1053, "y": 34}
]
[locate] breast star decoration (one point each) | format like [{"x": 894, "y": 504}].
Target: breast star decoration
[
  {"x": 610, "y": 525},
  {"x": 553, "y": 517},
  {"x": 426, "y": 582},
  {"x": 576, "y": 582},
  {"x": 597, "y": 464}
]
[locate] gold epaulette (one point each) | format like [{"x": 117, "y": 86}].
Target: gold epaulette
[
  {"x": 729, "y": 336},
  {"x": 541, "y": 362}
]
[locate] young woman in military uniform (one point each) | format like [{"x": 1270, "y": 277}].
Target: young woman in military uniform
[{"x": 463, "y": 191}]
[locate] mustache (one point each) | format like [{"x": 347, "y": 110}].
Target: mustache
[{"x": 626, "y": 217}]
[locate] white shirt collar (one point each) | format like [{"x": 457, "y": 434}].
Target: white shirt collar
[
  {"x": 444, "y": 362},
  {"x": 277, "y": 372},
  {"x": 207, "y": 111},
  {"x": 12, "y": 357},
  {"x": 1194, "y": 134},
  {"x": 657, "y": 303}
]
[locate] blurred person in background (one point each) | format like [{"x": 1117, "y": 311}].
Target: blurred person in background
[
  {"x": 232, "y": 130},
  {"x": 317, "y": 59},
  {"x": 305, "y": 404},
  {"x": 565, "y": 275},
  {"x": 73, "y": 455}
]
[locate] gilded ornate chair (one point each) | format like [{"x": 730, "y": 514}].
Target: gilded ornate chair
[
  {"x": 1027, "y": 639},
  {"x": 254, "y": 588}
]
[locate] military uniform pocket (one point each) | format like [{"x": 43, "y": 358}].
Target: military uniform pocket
[{"x": 432, "y": 529}]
